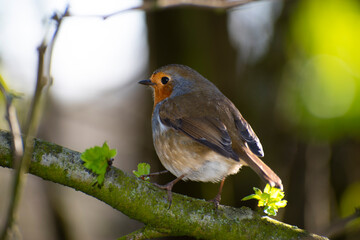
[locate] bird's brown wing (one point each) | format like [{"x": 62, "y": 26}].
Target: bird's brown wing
[
  {"x": 252, "y": 149},
  {"x": 243, "y": 129},
  {"x": 208, "y": 131},
  {"x": 249, "y": 136}
]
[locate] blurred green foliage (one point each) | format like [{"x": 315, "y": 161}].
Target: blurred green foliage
[
  {"x": 350, "y": 200},
  {"x": 320, "y": 93}
]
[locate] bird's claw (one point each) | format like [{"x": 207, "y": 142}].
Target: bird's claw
[
  {"x": 216, "y": 201},
  {"x": 168, "y": 188}
]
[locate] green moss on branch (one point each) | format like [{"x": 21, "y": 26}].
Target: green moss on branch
[{"x": 144, "y": 202}]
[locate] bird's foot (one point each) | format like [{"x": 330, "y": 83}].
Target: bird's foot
[
  {"x": 168, "y": 187},
  {"x": 217, "y": 198},
  {"x": 216, "y": 201}
]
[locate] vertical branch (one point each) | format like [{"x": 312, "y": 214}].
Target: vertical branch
[
  {"x": 42, "y": 84},
  {"x": 13, "y": 123},
  {"x": 44, "y": 78},
  {"x": 18, "y": 151}
]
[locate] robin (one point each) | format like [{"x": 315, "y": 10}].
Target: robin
[{"x": 198, "y": 133}]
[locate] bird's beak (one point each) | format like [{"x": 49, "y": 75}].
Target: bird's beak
[{"x": 147, "y": 82}]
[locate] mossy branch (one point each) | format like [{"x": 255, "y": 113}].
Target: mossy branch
[
  {"x": 144, "y": 202},
  {"x": 144, "y": 233}
]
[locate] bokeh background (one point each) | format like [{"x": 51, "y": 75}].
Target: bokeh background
[{"x": 291, "y": 67}]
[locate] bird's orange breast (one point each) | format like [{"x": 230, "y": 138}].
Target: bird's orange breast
[{"x": 161, "y": 93}]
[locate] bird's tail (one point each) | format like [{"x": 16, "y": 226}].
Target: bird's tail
[{"x": 262, "y": 170}]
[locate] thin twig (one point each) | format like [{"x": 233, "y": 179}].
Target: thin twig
[
  {"x": 13, "y": 123},
  {"x": 42, "y": 84},
  {"x": 44, "y": 75},
  {"x": 150, "y": 5},
  {"x": 18, "y": 151},
  {"x": 201, "y": 3},
  {"x": 153, "y": 174},
  {"x": 339, "y": 226}
]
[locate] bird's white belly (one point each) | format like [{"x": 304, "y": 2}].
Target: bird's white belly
[{"x": 180, "y": 154}]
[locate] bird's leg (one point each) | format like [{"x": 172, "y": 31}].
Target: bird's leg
[
  {"x": 168, "y": 187},
  {"x": 153, "y": 174},
  {"x": 217, "y": 198}
]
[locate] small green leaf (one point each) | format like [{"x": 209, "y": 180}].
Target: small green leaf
[
  {"x": 267, "y": 188},
  {"x": 97, "y": 159},
  {"x": 9, "y": 93},
  {"x": 270, "y": 199},
  {"x": 143, "y": 169},
  {"x": 252, "y": 196},
  {"x": 281, "y": 204},
  {"x": 257, "y": 191},
  {"x": 270, "y": 211}
]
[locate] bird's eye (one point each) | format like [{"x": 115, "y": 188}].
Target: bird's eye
[{"x": 164, "y": 80}]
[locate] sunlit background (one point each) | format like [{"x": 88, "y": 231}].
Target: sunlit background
[{"x": 291, "y": 67}]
